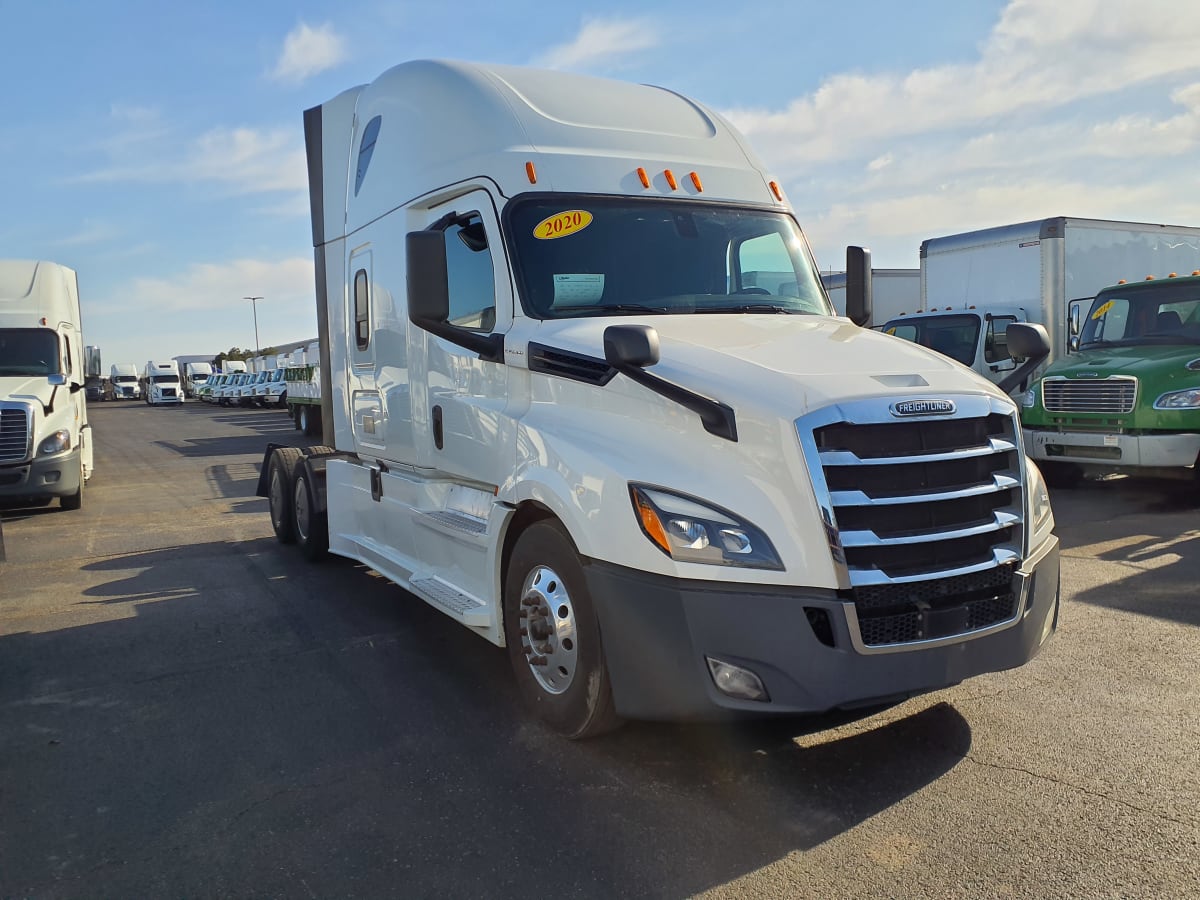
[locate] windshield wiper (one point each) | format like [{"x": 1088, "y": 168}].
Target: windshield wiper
[
  {"x": 613, "y": 307},
  {"x": 748, "y": 308}
]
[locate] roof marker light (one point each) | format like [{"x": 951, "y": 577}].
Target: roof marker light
[
  {"x": 1197, "y": 272},
  {"x": 1122, "y": 281},
  {"x": 1172, "y": 275},
  {"x": 670, "y": 176},
  {"x": 776, "y": 191},
  {"x": 643, "y": 177},
  {"x": 696, "y": 181},
  {"x": 1149, "y": 277},
  {"x": 531, "y": 172}
]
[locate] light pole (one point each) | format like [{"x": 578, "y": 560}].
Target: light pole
[{"x": 254, "y": 308}]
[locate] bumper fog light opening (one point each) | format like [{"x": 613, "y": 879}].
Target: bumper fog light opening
[{"x": 735, "y": 681}]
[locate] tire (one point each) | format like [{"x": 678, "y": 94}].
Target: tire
[
  {"x": 312, "y": 524},
  {"x": 1061, "y": 474},
  {"x": 303, "y": 420},
  {"x": 279, "y": 492},
  {"x": 75, "y": 500},
  {"x": 570, "y": 688}
]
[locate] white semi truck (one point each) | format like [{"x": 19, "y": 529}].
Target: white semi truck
[
  {"x": 973, "y": 285},
  {"x": 123, "y": 382},
  {"x": 160, "y": 383},
  {"x": 562, "y": 407},
  {"x": 45, "y": 439},
  {"x": 194, "y": 376}
]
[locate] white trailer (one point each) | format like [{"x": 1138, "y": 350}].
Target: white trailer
[
  {"x": 564, "y": 408},
  {"x": 894, "y": 292},
  {"x": 1034, "y": 272},
  {"x": 161, "y": 384},
  {"x": 45, "y": 439}
]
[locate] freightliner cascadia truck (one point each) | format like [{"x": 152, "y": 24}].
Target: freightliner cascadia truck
[
  {"x": 45, "y": 439},
  {"x": 560, "y": 406}
]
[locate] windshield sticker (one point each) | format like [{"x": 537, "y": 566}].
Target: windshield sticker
[
  {"x": 578, "y": 290},
  {"x": 562, "y": 224},
  {"x": 1103, "y": 309}
]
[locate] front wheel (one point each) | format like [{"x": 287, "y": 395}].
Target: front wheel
[
  {"x": 553, "y": 636},
  {"x": 75, "y": 500}
]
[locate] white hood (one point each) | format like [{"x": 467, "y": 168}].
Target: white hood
[
  {"x": 797, "y": 362},
  {"x": 33, "y": 389}
]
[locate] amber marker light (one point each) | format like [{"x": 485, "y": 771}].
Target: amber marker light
[
  {"x": 776, "y": 191},
  {"x": 643, "y": 177},
  {"x": 650, "y": 523},
  {"x": 696, "y": 182},
  {"x": 1172, "y": 275},
  {"x": 1149, "y": 277},
  {"x": 670, "y": 176},
  {"x": 531, "y": 172}
]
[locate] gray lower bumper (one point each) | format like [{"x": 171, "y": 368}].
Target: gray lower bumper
[
  {"x": 52, "y": 476},
  {"x": 657, "y": 632}
]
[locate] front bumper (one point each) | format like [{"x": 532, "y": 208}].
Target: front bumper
[
  {"x": 1142, "y": 451},
  {"x": 47, "y": 476},
  {"x": 657, "y": 632}
]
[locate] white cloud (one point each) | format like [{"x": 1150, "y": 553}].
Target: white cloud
[
  {"x": 308, "y": 51},
  {"x": 212, "y": 286},
  {"x": 602, "y": 41}
]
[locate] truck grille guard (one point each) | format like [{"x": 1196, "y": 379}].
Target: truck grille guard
[{"x": 924, "y": 517}]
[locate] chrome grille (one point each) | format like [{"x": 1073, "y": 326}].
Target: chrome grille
[
  {"x": 925, "y": 516},
  {"x": 14, "y": 434},
  {"x": 1114, "y": 395}
]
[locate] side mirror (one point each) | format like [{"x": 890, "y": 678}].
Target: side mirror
[
  {"x": 56, "y": 380},
  {"x": 429, "y": 295},
  {"x": 1076, "y": 316},
  {"x": 859, "y": 300},
  {"x": 1030, "y": 341},
  {"x": 630, "y": 345}
]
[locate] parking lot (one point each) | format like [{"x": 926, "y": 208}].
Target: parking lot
[{"x": 189, "y": 709}]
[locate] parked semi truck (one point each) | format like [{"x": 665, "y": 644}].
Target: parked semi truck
[
  {"x": 1129, "y": 400},
  {"x": 194, "y": 376},
  {"x": 562, "y": 408},
  {"x": 45, "y": 439},
  {"x": 123, "y": 382},
  {"x": 160, "y": 383},
  {"x": 894, "y": 293},
  {"x": 973, "y": 285}
]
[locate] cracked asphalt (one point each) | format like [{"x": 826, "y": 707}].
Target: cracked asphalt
[{"x": 187, "y": 709}]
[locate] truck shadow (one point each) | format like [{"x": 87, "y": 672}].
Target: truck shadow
[{"x": 228, "y": 701}]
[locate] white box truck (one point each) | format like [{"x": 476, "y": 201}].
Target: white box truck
[
  {"x": 973, "y": 285},
  {"x": 562, "y": 408},
  {"x": 194, "y": 376},
  {"x": 123, "y": 382},
  {"x": 160, "y": 383},
  {"x": 45, "y": 439}
]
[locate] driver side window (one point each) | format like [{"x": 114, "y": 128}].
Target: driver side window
[{"x": 470, "y": 275}]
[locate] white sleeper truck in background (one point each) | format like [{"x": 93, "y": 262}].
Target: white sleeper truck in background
[
  {"x": 161, "y": 383},
  {"x": 583, "y": 392},
  {"x": 45, "y": 439}
]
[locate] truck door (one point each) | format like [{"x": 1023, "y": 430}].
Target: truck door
[
  {"x": 460, "y": 426},
  {"x": 995, "y": 347},
  {"x": 367, "y": 411}
]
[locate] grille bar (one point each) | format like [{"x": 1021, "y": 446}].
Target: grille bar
[
  {"x": 999, "y": 483},
  {"x": 1000, "y": 521},
  {"x": 1115, "y": 395},
  {"x": 15, "y": 434},
  {"x": 846, "y": 458}
]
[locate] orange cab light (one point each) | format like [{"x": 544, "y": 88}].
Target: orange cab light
[
  {"x": 650, "y": 522},
  {"x": 1197, "y": 272},
  {"x": 531, "y": 172},
  {"x": 696, "y": 181},
  {"x": 1122, "y": 281},
  {"x": 643, "y": 177},
  {"x": 1172, "y": 275},
  {"x": 670, "y": 176},
  {"x": 1149, "y": 277},
  {"x": 776, "y": 191}
]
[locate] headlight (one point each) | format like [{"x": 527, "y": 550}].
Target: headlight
[
  {"x": 1041, "y": 516},
  {"x": 1029, "y": 398},
  {"x": 1189, "y": 399},
  {"x": 689, "y": 530},
  {"x": 58, "y": 442}
]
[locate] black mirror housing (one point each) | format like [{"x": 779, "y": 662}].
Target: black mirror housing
[
  {"x": 859, "y": 299},
  {"x": 631, "y": 345},
  {"x": 428, "y": 284}
]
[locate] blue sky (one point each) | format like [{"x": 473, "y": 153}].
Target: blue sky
[{"x": 157, "y": 147}]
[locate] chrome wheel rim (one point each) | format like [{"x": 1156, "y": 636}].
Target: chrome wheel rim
[
  {"x": 548, "y": 633},
  {"x": 301, "y": 505}
]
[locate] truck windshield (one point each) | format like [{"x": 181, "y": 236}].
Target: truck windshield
[
  {"x": 1149, "y": 312},
  {"x": 955, "y": 336},
  {"x": 596, "y": 256},
  {"x": 124, "y": 379},
  {"x": 164, "y": 379},
  {"x": 29, "y": 351}
]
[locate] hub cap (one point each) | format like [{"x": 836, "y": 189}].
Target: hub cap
[{"x": 549, "y": 639}]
